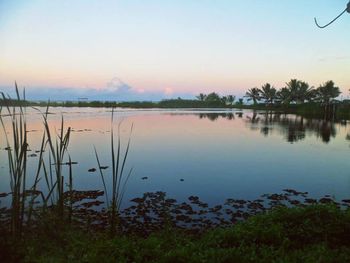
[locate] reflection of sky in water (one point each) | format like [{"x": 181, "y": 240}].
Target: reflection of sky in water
[{"x": 219, "y": 155}]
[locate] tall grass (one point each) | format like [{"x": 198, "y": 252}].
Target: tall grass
[
  {"x": 53, "y": 155},
  {"x": 17, "y": 147},
  {"x": 58, "y": 150},
  {"x": 23, "y": 197},
  {"x": 119, "y": 177}
]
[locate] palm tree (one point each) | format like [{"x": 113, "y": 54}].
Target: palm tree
[
  {"x": 284, "y": 95},
  {"x": 201, "y": 97},
  {"x": 327, "y": 92},
  {"x": 224, "y": 100},
  {"x": 268, "y": 93},
  {"x": 305, "y": 92},
  {"x": 253, "y": 94},
  {"x": 300, "y": 91},
  {"x": 231, "y": 99},
  {"x": 313, "y": 95},
  {"x": 293, "y": 85}
]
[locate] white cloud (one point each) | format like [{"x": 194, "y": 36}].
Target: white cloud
[{"x": 117, "y": 85}]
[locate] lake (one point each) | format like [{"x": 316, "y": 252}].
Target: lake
[{"x": 213, "y": 154}]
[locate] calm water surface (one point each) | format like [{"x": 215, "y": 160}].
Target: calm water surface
[{"x": 218, "y": 154}]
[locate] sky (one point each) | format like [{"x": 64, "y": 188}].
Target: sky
[{"x": 156, "y": 49}]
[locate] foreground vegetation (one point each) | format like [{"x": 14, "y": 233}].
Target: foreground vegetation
[{"x": 313, "y": 234}]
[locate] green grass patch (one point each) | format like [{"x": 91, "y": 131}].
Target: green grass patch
[{"x": 318, "y": 233}]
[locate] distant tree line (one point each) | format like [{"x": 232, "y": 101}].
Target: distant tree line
[
  {"x": 295, "y": 91},
  {"x": 216, "y": 99}
]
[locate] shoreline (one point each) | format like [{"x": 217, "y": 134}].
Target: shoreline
[{"x": 314, "y": 233}]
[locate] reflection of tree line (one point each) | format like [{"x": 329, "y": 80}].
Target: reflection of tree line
[
  {"x": 215, "y": 116},
  {"x": 293, "y": 127}
]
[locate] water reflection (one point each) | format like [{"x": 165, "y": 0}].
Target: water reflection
[
  {"x": 213, "y": 116},
  {"x": 293, "y": 127},
  {"x": 212, "y": 154}
]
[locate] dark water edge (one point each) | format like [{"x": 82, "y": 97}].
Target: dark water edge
[
  {"x": 153, "y": 211},
  {"x": 317, "y": 233},
  {"x": 315, "y": 109},
  {"x": 287, "y": 227}
]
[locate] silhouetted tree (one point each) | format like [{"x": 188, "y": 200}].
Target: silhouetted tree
[
  {"x": 327, "y": 92},
  {"x": 253, "y": 94},
  {"x": 299, "y": 91},
  {"x": 268, "y": 93},
  {"x": 293, "y": 86},
  {"x": 284, "y": 96},
  {"x": 305, "y": 92},
  {"x": 239, "y": 102},
  {"x": 224, "y": 100},
  {"x": 213, "y": 97},
  {"x": 201, "y": 97},
  {"x": 231, "y": 99}
]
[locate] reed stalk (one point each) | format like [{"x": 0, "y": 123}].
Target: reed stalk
[
  {"x": 24, "y": 197},
  {"x": 58, "y": 148},
  {"x": 119, "y": 178},
  {"x": 17, "y": 147}
]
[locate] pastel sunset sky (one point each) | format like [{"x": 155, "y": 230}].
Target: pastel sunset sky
[{"x": 154, "y": 49}]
